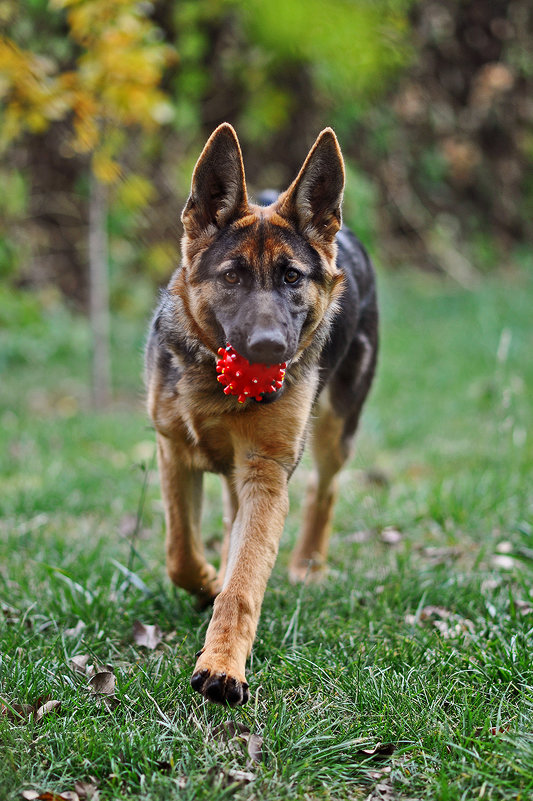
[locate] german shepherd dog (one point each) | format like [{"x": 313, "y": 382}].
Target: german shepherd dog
[{"x": 279, "y": 283}]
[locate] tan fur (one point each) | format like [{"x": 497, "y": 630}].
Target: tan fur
[{"x": 254, "y": 446}]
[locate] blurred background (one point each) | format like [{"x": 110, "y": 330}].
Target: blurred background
[{"x": 106, "y": 104}]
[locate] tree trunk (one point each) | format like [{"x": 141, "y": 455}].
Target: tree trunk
[{"x": 99, "y": 293}]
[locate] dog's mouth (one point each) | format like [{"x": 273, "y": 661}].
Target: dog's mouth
[{"x": 245, "y": 380}]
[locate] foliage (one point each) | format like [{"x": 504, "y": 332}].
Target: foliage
[
  {"x": 118, "y": 68},
  {"x": 106, "y": 77},
  {"x": 353, "y": 48},
  {"x": 451, "y": 147}
]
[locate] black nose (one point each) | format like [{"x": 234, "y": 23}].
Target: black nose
[{"x": 266, "y": 346}]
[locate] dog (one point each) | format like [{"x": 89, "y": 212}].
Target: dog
[{"x": 278, "y": 285}]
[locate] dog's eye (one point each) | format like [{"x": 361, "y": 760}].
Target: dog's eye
[
  {"x": 291, "y": 276},
  {"x": 231, "y": 277}
]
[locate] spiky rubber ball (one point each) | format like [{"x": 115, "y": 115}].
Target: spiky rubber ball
[{"x": 246, "y": 380}]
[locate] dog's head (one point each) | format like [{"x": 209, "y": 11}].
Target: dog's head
[{"x": 261, "y": 278}]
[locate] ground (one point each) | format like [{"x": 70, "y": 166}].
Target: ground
[{"x": 420, "y": 638}]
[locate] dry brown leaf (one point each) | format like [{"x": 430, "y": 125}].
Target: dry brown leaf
[
  {"x": 46, "y": 708},
  {"x": 493, "y": 731},
  {"x": 240, "y": 776},
  {"x": 236, "y": 735},
  {"x": 504, "y": 561},
  {"x": 66, "y": 795},
  {"x": 447, "y": 623},
  {"x": 255, "y": 747},
  {"x": 441, "y": 555},
  {"x": 79, "y": 662},
  {"x": 379, "y": 774},
  {"x": 230, "y": 729},
  {"x": 18, "y": 713},
  {"x": 391, "y": 536},
  {"x": 103, "y": 683},
  {"x": 383, "y": 791},
  {"x": 148, "y": 636},
  {"x": 524, "y": 607},
  {"x": 377, "y": 477},
  {"x": 379, "y": 750},
  {"x": 87, "y": 791},
  {"x": 428, "y": 612}
]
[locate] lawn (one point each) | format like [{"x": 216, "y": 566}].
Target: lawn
[{"x": 406, "y": 675}]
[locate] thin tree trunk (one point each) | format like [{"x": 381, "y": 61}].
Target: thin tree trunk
[{"x": 99, "y": 293}]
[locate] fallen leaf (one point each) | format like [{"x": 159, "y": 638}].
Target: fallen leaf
[
  {"x": 18, "y": 713},
  {"x": 236, "y": 735},
  {"x": 503, "y": 561},
  {"x": 95, "y": 668},
  {"x": 241, "y": 776},
  {"x": 377, "y": 477},
  {"x": 378, "y": 774},
  {"x": 87, "y": 791},
  {"x": 391, "y": 536},
  {"x": 447, "y": 623},
  {"x": 255, "y": 747},
  {"x": 148, "y": 636},
  {"x": 428, "y": 612},
  {"x": 21, "y": 713},
  {"x": 441, "y": 555},
  {"x": 382, "y": 792},
  {"x": 230, "y": 729},
  {"x": 66, "y": 795},
  {"x": 78, "y": 663},
  {"x": 493, "y": 731},
  {"x": 46, "y": 708},
  {"x": 505, "y": 547},
  {"x": 524, "y": 607},
  {"x": 380, "y": 750},
  {"x": 103, "y": 683},
  {"x": 127, "y": 525}
]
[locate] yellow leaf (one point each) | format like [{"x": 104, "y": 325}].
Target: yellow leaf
[
  {"x": 105, "y": 169},
  {"x": 135, "y": 192}
]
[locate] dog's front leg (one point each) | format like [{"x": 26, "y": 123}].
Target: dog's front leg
[
  {"x": 261, "y": 486},
  {"x": 181, "y": 487}
]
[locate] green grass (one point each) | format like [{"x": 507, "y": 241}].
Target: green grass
[{"x": 444, "y": 457}]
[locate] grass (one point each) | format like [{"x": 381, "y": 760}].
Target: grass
[{"x": 421, "y": 637}]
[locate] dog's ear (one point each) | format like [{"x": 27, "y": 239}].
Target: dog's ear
[
  {"x": 313, "y": 201},
  {"x": 218, "y": 188}
]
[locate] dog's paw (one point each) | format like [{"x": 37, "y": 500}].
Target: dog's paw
[
  {"x": 308, "y": 572},
  {"x": 220, "y": 687}
]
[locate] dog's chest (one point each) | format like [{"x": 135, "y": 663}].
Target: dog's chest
[{"x": 210, "y": 444}]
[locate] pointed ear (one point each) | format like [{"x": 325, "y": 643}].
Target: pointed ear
[
  {"x": 313, "y": 201},
  {"x": 218, "y": 188}
]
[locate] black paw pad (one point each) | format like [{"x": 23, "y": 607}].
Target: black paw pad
[
  {"x": 198, "y": 680},
  {"x": 234, "y": 692},
  {"x": 215, "y": 688}
]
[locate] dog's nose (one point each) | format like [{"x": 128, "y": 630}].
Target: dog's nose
[{"x": 266, "y": 346}]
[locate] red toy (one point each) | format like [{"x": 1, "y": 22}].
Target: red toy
[{"x": 246, "y": 380}]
